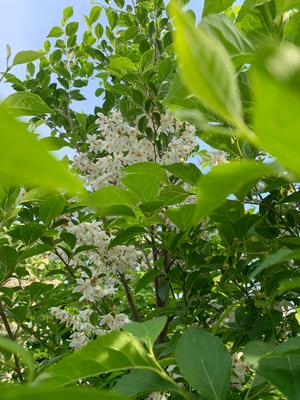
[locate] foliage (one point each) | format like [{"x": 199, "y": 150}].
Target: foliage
[{"x": 159, "y": 259}]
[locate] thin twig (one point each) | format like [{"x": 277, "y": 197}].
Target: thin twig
[{"x": 12, "y": 337}]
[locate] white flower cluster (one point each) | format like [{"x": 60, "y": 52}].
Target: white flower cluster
[
  {"x": 101, "y": 279},
  {"x": 108, "y": 261},
  {"x": 83, "y": 328},
  {"x": 115, "y": 146},
  {"x": 118, "y": 144}
]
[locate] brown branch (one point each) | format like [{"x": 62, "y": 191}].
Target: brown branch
[
  {"x": 12, "y": 337},
  {"x": 133, "y": 309}
]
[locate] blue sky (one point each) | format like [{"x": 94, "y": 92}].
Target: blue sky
[{"x": 24, "y": 24}]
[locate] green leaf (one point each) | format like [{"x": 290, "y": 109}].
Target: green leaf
[
  {"x": 182, "y": 217},
  {"x": 127, "y": 236},
  {"x": 255, "y": 350},
  {"x": 25, "y": 161},
  {"x": 248, "y": 6},
  {"x": 145, "y": 187},
  {"x": 99, "y": 30},
  {"x": 67, "y": 13},
  {"x": 282, "y": 368},
  {"x": 52, "y": 206},
  {"x": 95, "y": 14},
  {"x": 138, "y": 383},
  {"x": 172, "y": 194},
  {"x": 35, "y": 250},
  {"x": 25, "y": 104},
  {"x": 147, "y": 331},
  {"x": 148, "y": 168},
  {"x": 115, "y": 210},
  {"x": 224, "y": 180},
  {"x": 56, "y": 31},
  {"x": 123, "y": 64},
  {"x": 205, "y": 363},
  {"x": 165, "y": 68},
  {"x": 216, "y": 6},
  {"x": 14, "y": 347},
  {"x": 151, "y": 206},
  {"x": 206, "y": 68},
  {"x": 113, "y": 352},
  {"x": 54, "y": 143},
  {"x": 282, "y": 255},
  {"x": 287, "y": 285},
  {"x": 277, "y": 103},
  {"x": 26, "y": 56},
  {"x": 34, "y": 195},
  {"x": 72, "y": 28},
  {"x": 21, "y": 392},
  {"x": 28, "y": 233},
  {"x": 186, "y": 171},
  {"x": 109, "y": 196},
  {"x": 120, "y": 3},
  {"x": 8, "y": 260},
  {"x": 146, "y": 279},
  {"x": 112, "y": 17},
  {"x": 224, "y": 30}
]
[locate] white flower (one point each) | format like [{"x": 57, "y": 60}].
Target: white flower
[
  {"x": 62, "y": 315},
  {"x": 78, "y": 340},
  {"x": 120, "y": 320},
  {"x": 107, "y": 320},
  {"x": 85, "y": 287}
]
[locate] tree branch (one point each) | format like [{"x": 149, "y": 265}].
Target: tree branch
[{"x": 12, "y": 337}]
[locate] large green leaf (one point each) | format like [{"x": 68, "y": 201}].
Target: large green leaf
[
  {"x": 205, "y": 363},
  {"x": 25, "y": 161},
  {"x": 224, "y": 30},
  {"x": 147, "y": 331},
  {"x": 224, "y": 180},
  {"x": 112, "y": 352},
  {"x": 216, "y": 6},
  {"x": 277, "y": 103},
  {"x": 13, "y": 392},
  {"x": 206, "y": 68},
  {"x": 255, "y": 350},
  {"x": 25, "y": 104},
  {"x": 282, "y": 368}
]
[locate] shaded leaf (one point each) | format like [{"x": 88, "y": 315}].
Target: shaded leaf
[{"x": 205, "y": 363}]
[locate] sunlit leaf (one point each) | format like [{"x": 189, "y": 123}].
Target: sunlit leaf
[{"x": 25, "y": 161}]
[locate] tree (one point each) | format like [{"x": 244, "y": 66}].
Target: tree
[{"x": 168, "y": 268}]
